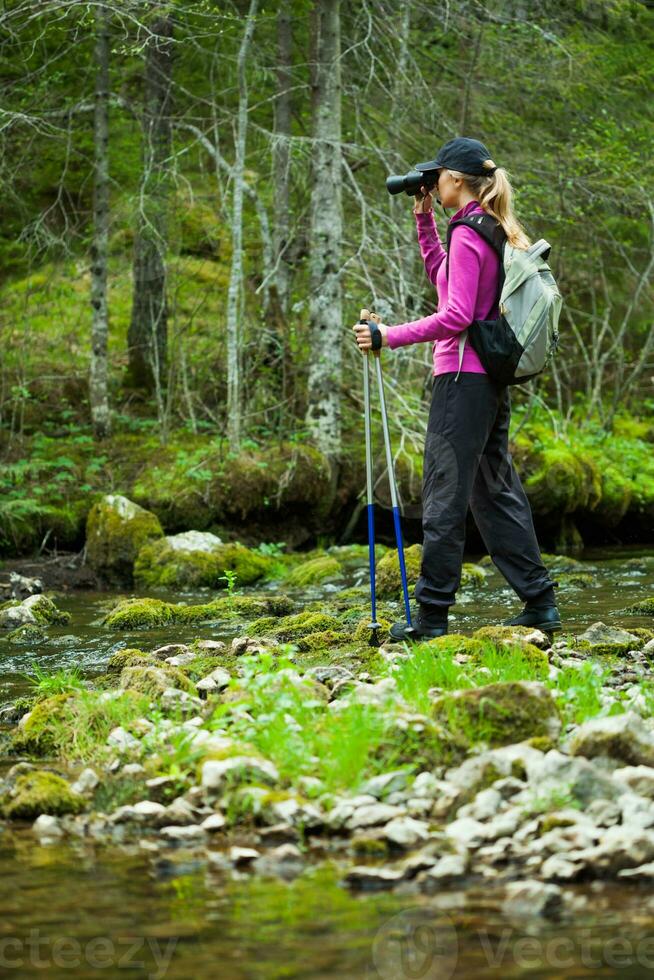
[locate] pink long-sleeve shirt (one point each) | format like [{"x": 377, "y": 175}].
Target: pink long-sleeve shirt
[{"x": 470, "y": 294}]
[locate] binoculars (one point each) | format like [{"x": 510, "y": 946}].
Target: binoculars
[{"x": 412, "y": 182}]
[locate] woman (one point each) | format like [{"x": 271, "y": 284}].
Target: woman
[{"x": 467, "y": 460}]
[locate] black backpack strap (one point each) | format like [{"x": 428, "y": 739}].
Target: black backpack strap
[{"x": 490, "y": 230}]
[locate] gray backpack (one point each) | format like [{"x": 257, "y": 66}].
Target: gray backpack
[{"x": 517, "y": 346}]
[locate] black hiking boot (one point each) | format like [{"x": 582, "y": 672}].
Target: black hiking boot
[
  {"x": 541, "y": 613},
  {"x": 425, "y": 626}
]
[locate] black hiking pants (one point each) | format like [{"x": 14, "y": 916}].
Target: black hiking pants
[{"x": 467, "y": 464}]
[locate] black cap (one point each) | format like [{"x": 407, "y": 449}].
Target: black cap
[{"x": 462, "y": 154}]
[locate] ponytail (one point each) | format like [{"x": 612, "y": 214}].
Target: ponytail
[{"x": 494, "y": 193}]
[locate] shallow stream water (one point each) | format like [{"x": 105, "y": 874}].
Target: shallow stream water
[{"x": 84, "y": 909}]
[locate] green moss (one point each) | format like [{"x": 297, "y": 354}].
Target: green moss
[
  {"x": 472, "y": 575},
  {"x": 28, "y": 633},
  {"x": 642, "y": 633},
  {"x": 322, "y": 640},
  {"x": 41, "y": 609},
  {"x": 116, "y": 530},
  {"x": 130, "y": 658},
  {"x": 644, "y": 607},
  {"x": 543, "y": 743},
  {"x": 40, "y": 792},
  {"x": 498, "y": 714},
  {"x": 312, "y": 572},
  {"x": 503, "y": 635},
  {"x": 290, "y": 628},
  {"x": 562, "y": 482},
  {"x": 362, "y": 632},
  {"x": 389, "y": 580},
  {"x": 371, "y": 847},
  {"x": 616, "y": 495},
  {"x": 136, "y": 614},
  {"x": 159, "y": 564},
  {"x": 576, "y": 579},
  {"x": 455, "y": 643},
  {"x": 534, "y": 657},
  {"x": 153, "y": 681},
  {"x": 35, "y": 733}
]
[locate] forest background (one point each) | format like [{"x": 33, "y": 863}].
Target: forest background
[{"x": 193, "y": 212}]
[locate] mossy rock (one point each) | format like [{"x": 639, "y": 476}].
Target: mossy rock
[
  {"x": 642, "y": 633},
  {"x": 389, "y": 580},
  {"x": 40, "y": 792},
  {"x": 560, "y": 564},
  {"x": 36, "y": 610},
  {"x": 116, "y": 530},
  {"x": 644, "y": 607},
  {"x": 138, "y": 614},
  {"x": 35, "y": 731},
  {"x": 563, "y": 481},
  {"x": 28, "y": 633},
  {"x": 291, "y": 628},
  {"x": 453, "y": 644},
  {"x": 575, "y": 580},
  {"x": 322, "y": 640},
  {"x": 312, "y": 572},
  {"x": 362, "y": 632},
  {"x": 499, "y": 714},
  {"x": 616, "y": 496},
  {"x": 531, "y": 655},
  {"x": 472, "y": 575},
  {"x": 502, "y": 636},
  {"x": 130, "y": 658},
  {"x": 153, "y": 681},
  {"x": 164, "y": 563}
]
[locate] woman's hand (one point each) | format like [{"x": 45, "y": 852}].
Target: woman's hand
[
  {"x": 423, "y": 204},
  {"x": 362, "y": 334}
]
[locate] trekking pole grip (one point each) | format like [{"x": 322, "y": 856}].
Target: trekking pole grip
[{"x": 371, "y": 320}]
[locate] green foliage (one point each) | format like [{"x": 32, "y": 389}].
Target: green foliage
[
  {"x": 45, "y": 684},
  {"x": 40, "y": 792}
]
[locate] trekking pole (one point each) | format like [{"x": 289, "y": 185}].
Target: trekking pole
[
  {"x": 391, "y": 480},
  {"x": 367, "y": 424}
]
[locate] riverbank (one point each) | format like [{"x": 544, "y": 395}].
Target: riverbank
[{"x": 266, "y": 745}]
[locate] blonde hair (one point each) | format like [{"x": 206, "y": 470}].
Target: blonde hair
[{"x": 495, "y": 195}]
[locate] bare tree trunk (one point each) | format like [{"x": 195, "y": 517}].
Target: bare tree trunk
[
  {"x": 323, "y": 411},
  {"x": 282, "y": 157},
  {"x": 98, "y": 395},
  {"x": 236, "y": 274},
  {"x": 147, "y": 337}
]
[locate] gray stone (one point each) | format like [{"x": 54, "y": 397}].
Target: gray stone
[
  {"x": 373, "y": 814},
  {"x": 217, "y": 680},
  {"x": 406, "y": 832},
  {"x": 623, "y": 737},
  {"x": 639, "y": 779},
  {"x": 529, "y": 898},
  {"x": 194, "y": 541},
  {"x": 240, "y": 856},
  {"x": 644, "y": 871},
  {"x": 373, "y": 879},
  {"x": 86, "y": 782},
  {"x": 425, "y": 785},
  {"x": 180, "y": 812},
  {"x": 388, "y": 782},
  {"x": 599, "y": 635},
  {"x": 448, "y": 868},
  {"x": 560, "y": 868},
  {"x": 171, "y": 650},
  {"x": 584, "y": 781},
  {"x": 149, "y": 811},
  {"x": 214, "y": 822},
  {"x": 330, "y": 674},
  {"x": 120, "y": 739},
  {"x": 217, "y": 773},
  {"x": 466, "y": 832},
  {"x": 485, "y": 805},
  {"x": 47, "y": 827},
  {"x": 621, "y": 847},
  {"x": 192, "y": 835}
]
